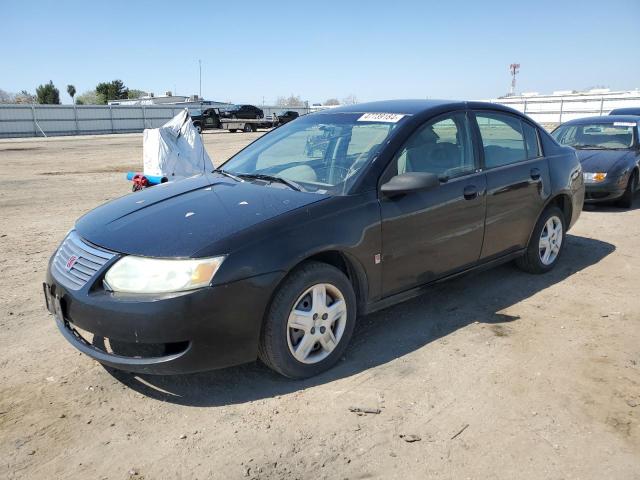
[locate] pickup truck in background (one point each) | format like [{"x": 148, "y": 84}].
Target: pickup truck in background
[{"x": 213, "y": 118}]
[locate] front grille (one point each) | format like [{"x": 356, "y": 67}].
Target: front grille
[{"x": 76, "y": 262}]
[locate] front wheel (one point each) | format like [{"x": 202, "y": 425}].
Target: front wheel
[
  {"x": 309, "y": 323},
  {"x": 546, "y": 243},
  {"x": 198, "y": 127},
  {"x": 626, "y": 201},
  {"x": 247, "y": 128}
]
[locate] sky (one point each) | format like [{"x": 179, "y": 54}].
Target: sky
[{"x": 255, "y": 51}]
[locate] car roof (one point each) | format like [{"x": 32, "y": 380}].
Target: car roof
[
  {"x": 603, "y": 119},
  {"x": 625, "y": 111},
  {"x": 411, "y": 107}
]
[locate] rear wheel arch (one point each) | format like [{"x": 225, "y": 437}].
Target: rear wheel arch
[{"x": 563, "y": 202}]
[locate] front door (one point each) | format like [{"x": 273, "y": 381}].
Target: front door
[{"x": 429, "y": 234}]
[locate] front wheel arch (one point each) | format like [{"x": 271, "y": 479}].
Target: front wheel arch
[{"x": 341, "y": 260}]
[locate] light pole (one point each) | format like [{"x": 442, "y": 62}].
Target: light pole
[{"x": 200, "y": 66}]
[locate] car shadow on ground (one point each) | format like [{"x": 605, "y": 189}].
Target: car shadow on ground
[{"x": 478, "y": 297}]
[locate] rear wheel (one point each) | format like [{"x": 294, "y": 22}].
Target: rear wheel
[
  {"x": 626, "y": 201},
  {"x": 309, "y": 323},
  {"x": 546, "y": 243}
]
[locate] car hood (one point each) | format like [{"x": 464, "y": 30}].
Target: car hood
[
  {"x": 177, "y": 219},
  {"x": 602, "y": 160}
]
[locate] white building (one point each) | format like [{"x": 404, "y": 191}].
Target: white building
[{"x": 564, "y": 105}]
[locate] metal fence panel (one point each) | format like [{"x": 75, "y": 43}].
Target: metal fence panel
[{"x": 40, "y": 120}]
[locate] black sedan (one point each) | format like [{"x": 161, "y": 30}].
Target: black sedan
[
  {"x": 287, "y": 116},
  {"x": 609, "y": 150},
  {"x": 335, "y": 215},
  {"x": 245, "y": 112}
]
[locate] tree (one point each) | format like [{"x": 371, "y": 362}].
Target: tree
[
  {"x": 48, "y": 94},
  {"x": 133, "y": 93},
  {"x": 6, "y": 97},
  {"x": 291, "y": 101},
  {"x": 71, "y": 90},
  {"x": 90, "y": 97},
  {"x": 350, "y": 99},
  {"x": 25, "y": 97},
  {"x": 332, "y": 101},
  {"x": 114, "y": 90}
]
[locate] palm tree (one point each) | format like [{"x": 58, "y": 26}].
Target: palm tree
[{"x": 71, "y": 90}]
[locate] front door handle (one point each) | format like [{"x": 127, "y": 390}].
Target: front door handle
[
  {"x": 535, "y": 174},
  {"x": 470, "y": 192}
]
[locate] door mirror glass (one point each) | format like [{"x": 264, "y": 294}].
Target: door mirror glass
[{"x": 410, "y": 182}]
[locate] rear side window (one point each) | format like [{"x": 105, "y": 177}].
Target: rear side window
[
  {"x": 531, "y": 140},
  {"x": 502, "y": 139}
]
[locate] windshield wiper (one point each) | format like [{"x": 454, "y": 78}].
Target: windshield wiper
[
  {"x": 227, "y": 174},
  {"x": 273, "y": 178},
  {"x": 590, "y": 147}
]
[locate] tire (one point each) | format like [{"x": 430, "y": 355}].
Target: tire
[
  {"x": 324, "y": 334},
  {"x": 247, "y": 128},
  {"x": 536, "y": 259},
  {"x": 198, "y": 127},
  {"x": 626, "y": 201}
]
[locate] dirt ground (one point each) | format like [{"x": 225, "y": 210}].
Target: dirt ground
[{"x": 497, "y": 375}]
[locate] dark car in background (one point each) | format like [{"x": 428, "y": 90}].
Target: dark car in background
[
  {"x": 247, "y": 112},
  {"x": 609, "y": 150},
  {"x": 337, "y": 214},
  {"x": 287, "y": 116},
  {"x": 625, "y": 111}
]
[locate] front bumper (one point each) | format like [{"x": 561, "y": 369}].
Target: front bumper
[
  {"x": 184, "y": 332},
  {"x": 610, "y": 189}
]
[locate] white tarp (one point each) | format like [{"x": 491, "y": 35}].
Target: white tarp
[{"x": 175, "y": 150}]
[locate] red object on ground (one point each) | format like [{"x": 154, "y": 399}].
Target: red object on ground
[{"x": 139, "y": 182}]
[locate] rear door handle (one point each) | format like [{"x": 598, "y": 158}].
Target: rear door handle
[
  {"x": 470, "y": 192},
  {"x": 535, "y": 174}
]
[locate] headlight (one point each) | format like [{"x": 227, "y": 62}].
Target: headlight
[
  {"x": 594, "y": 177},
  {"x": 152, "y": 275}
]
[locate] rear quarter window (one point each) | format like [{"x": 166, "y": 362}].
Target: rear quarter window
[{"x": 531, "y": 140}]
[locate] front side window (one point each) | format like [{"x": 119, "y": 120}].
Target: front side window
[
  {"x": 442, "y": 146},
  {"x": 323, "y": 153},
  {"x": 502, "y": 139},
  {"x": 597, "y": 136}
]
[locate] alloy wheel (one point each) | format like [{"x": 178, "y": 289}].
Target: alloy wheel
[
  {"x": 316, "y": 323},
  {"x": 550, "y": 240}
]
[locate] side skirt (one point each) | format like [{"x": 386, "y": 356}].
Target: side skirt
[{"x": 422, "y": 289}]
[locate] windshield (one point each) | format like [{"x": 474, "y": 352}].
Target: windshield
[
  {"x": 606, "y": 136},
  {"x": 322, "y": 153},
  {"x": 232, "y": 108}
]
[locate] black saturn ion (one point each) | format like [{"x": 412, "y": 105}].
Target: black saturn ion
[
  {"x": 342, "y": 212},
  {"x": 609, "y": 150}
]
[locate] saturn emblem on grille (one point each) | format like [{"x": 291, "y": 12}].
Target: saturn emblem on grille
[{"x": 71, "y": 262}]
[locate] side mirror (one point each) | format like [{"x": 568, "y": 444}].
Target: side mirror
[{"x": 410, "y": 182}]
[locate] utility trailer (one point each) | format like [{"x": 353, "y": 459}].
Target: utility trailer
[{"x": 209, "y": 119}]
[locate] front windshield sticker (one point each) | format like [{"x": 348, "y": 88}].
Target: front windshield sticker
[
  {"x": 624, "y": 124},
  {"x": 381, "y": 117}
]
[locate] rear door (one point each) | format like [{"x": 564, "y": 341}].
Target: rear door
[
  {"x": 428, "y": 234},
  {"x": 517, "y": 180}
]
